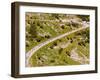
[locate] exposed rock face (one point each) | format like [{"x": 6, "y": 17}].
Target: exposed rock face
[{"x": 75, "y": 56}]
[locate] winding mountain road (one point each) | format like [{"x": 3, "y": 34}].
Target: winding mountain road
[{"x": 34, "y": 49}]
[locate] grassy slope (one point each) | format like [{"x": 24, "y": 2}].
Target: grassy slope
[
  {"x": 39, "y": 27},
  {"x": 49, "y": 56},
  {"x": 39, "y": 31}
]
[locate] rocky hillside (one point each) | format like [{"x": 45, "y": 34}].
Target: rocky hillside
[{"x": 70, "y": 50}]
